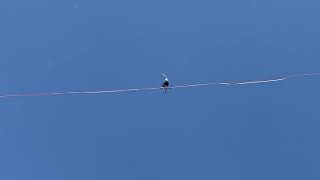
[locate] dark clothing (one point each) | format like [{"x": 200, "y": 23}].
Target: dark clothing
[{"x": 165, "y": 84}]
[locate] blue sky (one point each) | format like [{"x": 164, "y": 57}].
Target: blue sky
[{"x": 267, "y": 131}]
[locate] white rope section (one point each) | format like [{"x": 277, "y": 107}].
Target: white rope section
[{"x": 157, "y": 88}]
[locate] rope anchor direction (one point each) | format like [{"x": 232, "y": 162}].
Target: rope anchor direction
[{"x": 164, "y": 86}]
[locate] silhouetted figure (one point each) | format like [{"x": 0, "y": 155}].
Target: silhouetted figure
[{"x": 165, "y": 84}]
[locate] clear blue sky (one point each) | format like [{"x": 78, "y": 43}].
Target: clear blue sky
[{"x": 267, "y": 131}]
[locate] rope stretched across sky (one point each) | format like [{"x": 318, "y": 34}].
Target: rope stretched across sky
[{"x": 227, "y": 83}]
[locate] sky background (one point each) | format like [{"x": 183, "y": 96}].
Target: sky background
[{"x": 266, "y": 131}]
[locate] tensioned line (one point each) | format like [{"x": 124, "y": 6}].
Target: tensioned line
[{"x": 227, "y": 83}]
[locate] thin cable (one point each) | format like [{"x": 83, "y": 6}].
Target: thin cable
[{"x": 157, "y": 88}]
